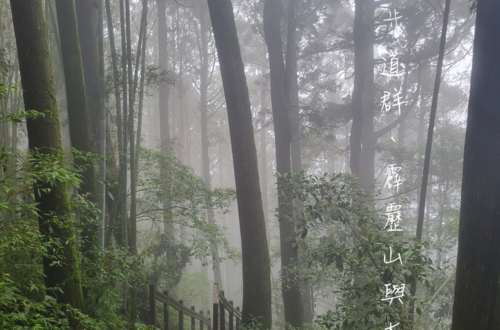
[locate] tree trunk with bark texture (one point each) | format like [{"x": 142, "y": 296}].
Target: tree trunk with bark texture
[
  {"x": 44, "y": 137},
  {"x": 283, "y": 136},
  {"x": 77, "y": 108},
  {"x": 255, "y": 253},
  {"x": 478, "y": 259},
  {"x": 86, "y": 13}
]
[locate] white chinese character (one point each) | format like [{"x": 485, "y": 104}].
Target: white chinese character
[
  {"x": 397, "y": 290},
  {"x": 393, "y": 219},
  {"x": 390, "y": 257},
  {"x": 394, "y": 66},
  {"x": 386, "y": 106},
  {"x": 393, "y": 20},
  {"x": 391, "y": 326},
  {"x": 397, "y": 99},
  {"x": 393, "y": 178}
]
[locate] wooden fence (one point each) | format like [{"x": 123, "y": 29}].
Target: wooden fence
[{"x": 220, "y": 306}]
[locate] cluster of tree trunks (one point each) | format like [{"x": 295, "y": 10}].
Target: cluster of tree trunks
[{"x": 45, "y": 138}]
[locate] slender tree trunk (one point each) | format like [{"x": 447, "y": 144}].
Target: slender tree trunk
[
  {"x": 133, "y": 152},
  {"x": 123, "y": 162},
  {"x": 77, "y": 109},
  {"x": 357, "y": 93},
  {"x": 478, "y": 261},
  {"x": 123, "y": 152},
  {"x": 255, "y": 253},
  {"x": 86, "y": 13},
  {"x": 283, "y": 135},
  {"x": 204, "y": 132},
  {"x": 292, "y": 90},
  {"x": 368, "y": 138},
  {"x": 114, "y": 204},
  {"x": 430, "y": 133},
  {"x": 132, "y": 142},
  {"x": 263, "y": 159},
  {"x": 44, "y": 137},
  {"x": 163, "y": 109},
  {"x": 181, "y": 92},
  {"x": 102, "y": 124}
]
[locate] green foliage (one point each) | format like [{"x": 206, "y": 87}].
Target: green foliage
[
  {"x": 343, "y": 238},
  {"x": 19, "y": 312},
  {"x": 252, "y": 323},
  {"x": 25, "y": 302},
  {"x": 162, "y": 177}
]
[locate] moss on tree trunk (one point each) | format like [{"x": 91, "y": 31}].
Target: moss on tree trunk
[{"x": 44, "y": 137}]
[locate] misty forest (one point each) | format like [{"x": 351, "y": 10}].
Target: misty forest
[{"x": 250, "y": 164}]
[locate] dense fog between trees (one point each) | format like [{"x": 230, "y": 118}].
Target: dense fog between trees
[{"x": 318, "y": 164}]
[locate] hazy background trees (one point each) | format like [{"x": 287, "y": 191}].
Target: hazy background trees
[{"x": 177, "y": 150}]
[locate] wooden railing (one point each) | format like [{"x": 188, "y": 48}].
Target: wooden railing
[
  {"x": 179, "y": 306},
  {"x": 220, "y": 306}
]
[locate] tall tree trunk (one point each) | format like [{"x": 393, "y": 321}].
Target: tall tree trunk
[
  {"x": 369, "y": 142},
  {"x": 132, "y": 142},
  {"x": 204, "y": 56},
  {"x": 123, "y": 152},
  {"x": 77, "y": 109},
  {"x": 255, "y": 253},
  {"x": 478, "y": 261},
  {"x": 428, "y": 147},
  {"x": 44, "y": 137},
  {"x": 358, "y": 88},
  {"x": 181, "y": 92},
  {"x": 263, "y": 158},
  {"x": 163, "y": 108},
  {"x": 292, "y": 90},
  {"x": 283, "y": 135},
  {"x": 86, "y": 13},
  {"x": 102, "y": 124},
  {"x": 133, "y": 151},
  {"x": 113, "y": 204}
]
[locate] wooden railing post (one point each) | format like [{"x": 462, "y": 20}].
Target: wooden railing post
[
  {"x": 231, "y": 321},
  {"x": 166, "y": 316},
  {"x": 215, "y": 325},
  {"x": 193, "y": 326},
  {"x": 201, "y": 320},
  {"x": 238, "y": 320},
  {"x": 222, "y": 311},
  {"x": 152, "y": 305},
  {"x": 181, "y": 315}
]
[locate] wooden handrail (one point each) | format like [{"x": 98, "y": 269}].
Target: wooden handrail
[
  {"x": 229, "y": 305},
  {"x": 183, "y": 310},
  {"x": 220, "y": 305}
]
